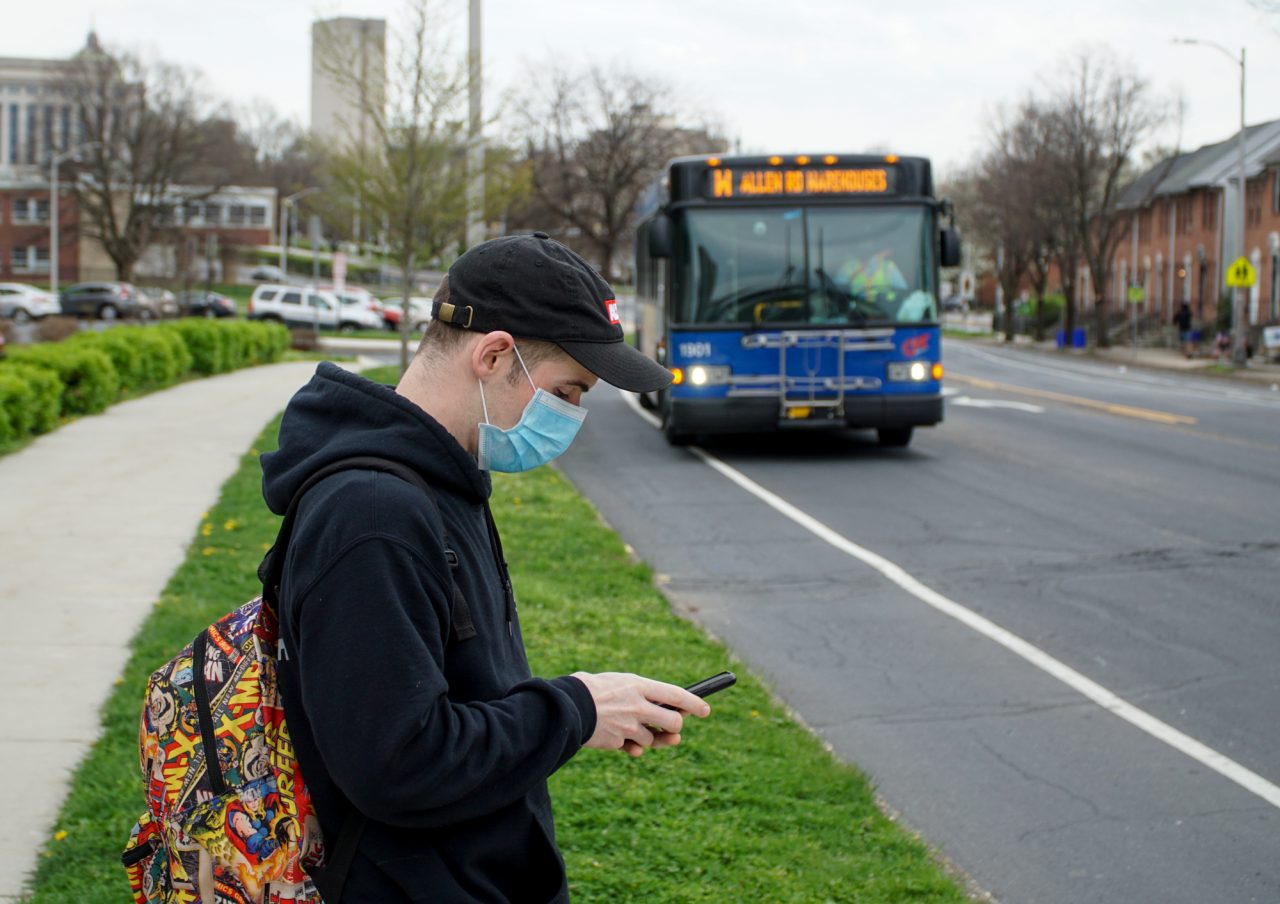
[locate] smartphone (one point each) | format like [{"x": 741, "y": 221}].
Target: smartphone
[{"x": 708, "y": 686}]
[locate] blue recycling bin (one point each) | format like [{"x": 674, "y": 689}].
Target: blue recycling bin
[
  {"x": 1078, "y": 338},
  {"x": 1060, "y": 338}
]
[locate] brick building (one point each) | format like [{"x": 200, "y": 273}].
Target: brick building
[
  {"x": 37, "y": 123},
  {"x": 1185, "y": 228}
]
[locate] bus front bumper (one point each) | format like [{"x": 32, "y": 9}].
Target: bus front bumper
[{"x": 764, "y": 414}]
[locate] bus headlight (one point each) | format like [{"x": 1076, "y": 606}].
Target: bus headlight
[
  {"x": 709, "y": 374},
  {"x": 911, "y": 371}
]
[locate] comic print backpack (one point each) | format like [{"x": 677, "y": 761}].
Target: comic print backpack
[{"x": 229, "y": 819}]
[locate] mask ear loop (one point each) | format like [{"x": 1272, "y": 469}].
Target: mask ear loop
[
  {"x": 520, "y": 358},
  {"x": 483, "y": 406}
]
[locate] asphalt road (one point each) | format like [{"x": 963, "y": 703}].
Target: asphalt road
[{"x": 1124, "y": 524}]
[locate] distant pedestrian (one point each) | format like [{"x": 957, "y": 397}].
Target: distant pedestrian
[{"x": 1183, "y": 320}]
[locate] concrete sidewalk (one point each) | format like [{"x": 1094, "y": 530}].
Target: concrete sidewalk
[{"x": 94, "y": 519}]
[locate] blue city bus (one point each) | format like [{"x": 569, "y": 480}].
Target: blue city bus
[{"x": 794, "y": 292}]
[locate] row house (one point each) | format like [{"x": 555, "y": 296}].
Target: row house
[{"x": 1185, "y": 228}]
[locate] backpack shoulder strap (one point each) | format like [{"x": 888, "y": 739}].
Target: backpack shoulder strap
[
  {"x": 271, "y": 570},
  {"x": 333, "y": 876}
]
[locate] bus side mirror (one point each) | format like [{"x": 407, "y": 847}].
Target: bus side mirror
[
  {"x": 950, "y": 248},
  {"x": 660, "y": 236}
]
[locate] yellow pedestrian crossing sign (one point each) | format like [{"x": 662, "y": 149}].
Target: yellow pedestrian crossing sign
[{"x": 1241, "y": 274}]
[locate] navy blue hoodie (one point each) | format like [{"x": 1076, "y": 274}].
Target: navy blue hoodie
[{"x": 445, "y": 744}]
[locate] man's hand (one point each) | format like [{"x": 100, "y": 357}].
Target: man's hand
[{"x": 632, "y": 713}]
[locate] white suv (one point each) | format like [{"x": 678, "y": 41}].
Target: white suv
[{"x": 297, "y": 306}]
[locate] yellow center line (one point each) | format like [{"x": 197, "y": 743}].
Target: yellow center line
[{"x": 1145, "y": 414}]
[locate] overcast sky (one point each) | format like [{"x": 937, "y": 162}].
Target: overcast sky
[{"x": 916, "y": 77}]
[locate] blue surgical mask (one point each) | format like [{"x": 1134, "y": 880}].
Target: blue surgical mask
[{"x": 546, "y": 428}]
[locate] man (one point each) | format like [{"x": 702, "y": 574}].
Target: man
[
  {"x": 1182, "y": 319},
  {"x": 411, "y": 703}
]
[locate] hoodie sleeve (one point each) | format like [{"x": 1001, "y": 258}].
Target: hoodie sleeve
[{"x": 371, "y": 640}]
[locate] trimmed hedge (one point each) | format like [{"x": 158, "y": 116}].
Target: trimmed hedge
[
  {"x": 83, "y": 375},
  {"x": 89, "y": 379},
  {"x": 34, "y": 408}
]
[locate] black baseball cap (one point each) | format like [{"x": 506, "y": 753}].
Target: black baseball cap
[{"x": 535, "y": 288}]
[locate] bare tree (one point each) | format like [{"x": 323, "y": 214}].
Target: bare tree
[
  {"x": 141, "y": 125},
  {"x": 403, "y": 170},
  {"x": 595, "y": 140},
  {"x": 1103, "y": 113},
  {"x": 1007, "y": 204}
]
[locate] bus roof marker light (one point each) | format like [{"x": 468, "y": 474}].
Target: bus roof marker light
[
  {"x": 802, "y": 160},
  {"x": 891, "y": 158},
  {"x": 713, "y": 161},
  {"x": 829, "y": 160},
  {"x": 775, "y": 160}
]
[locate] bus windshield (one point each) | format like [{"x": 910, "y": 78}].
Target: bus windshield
[{"x": 805, "y": 265}]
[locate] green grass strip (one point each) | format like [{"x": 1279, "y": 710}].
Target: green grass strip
[{"x": 749, "y": 808}]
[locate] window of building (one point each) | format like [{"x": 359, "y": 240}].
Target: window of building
[
  {"x": 213, "y": 214},
  {"x": 257, "y": 216},
  {"x": 66, "y": 127},
  {"x": 1253, "y": 202},
  {"x": 1209, "y": 210},
  {"x": 13, "y": 133},
  {"x": 40, "y": 260},
  {"x": 1185, "y": 216},
  {"x": 48, "y": 129},
  {"x": 31, "y": 133},
  {"x": 236, "y": 215},
  {"x": 19, "y": 258},
  {"x": 30, "y": 210},
  {"x": 1275, "y": 191}
]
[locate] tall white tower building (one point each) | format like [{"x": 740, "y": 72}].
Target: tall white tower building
[{"x": 348, "y": 77}]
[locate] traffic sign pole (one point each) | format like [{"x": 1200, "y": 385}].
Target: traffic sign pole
[{"x": 1240, "y": 276}]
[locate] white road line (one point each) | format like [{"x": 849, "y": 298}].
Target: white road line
[
  {"x": 1088, "y": 688},
  {"x": 968, "y": 402}
]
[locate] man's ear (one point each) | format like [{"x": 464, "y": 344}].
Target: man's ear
[{"x": 487, "y": 355}]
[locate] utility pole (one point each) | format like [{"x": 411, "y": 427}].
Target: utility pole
[
  {"x": 475, "y": 131},
  {"x": 1239, "y": 329},
  {"x": 285, "y": 205},
  {"x": 1238, "y": 326},
  {"x": 55, "y": 162}
]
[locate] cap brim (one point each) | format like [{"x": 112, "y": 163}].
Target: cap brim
[{"x": 620, "y": 365}]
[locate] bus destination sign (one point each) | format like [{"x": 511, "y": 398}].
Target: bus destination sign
[{"x": 726, "y": 182}]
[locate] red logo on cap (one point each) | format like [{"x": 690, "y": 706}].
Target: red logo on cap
[{"x": 611, "y": 308}]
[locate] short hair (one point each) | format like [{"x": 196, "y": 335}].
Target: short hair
[{"x": 441, "y": 339}]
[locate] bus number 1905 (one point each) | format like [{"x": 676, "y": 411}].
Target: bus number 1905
[{"x": 695, "y": 349}]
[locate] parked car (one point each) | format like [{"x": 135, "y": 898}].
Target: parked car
[
  {"x": 205, "y": 304},
  {"x": 105, "y": 300},
  {"x": 21, "y": 302},
  {"x": 296, "y": 306},
  {"x": 266, "y": 273},
  {"x": 353, "y": 298},
  {"x": 419, "y": 310},
  {"x": 155, "y": 303}
]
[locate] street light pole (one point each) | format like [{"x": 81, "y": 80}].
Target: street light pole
[
  {"x": 284, "y": 228},
  {"x": 1238, "y": 326},
  {"x": 475, "y": 129},
  {"x": 56, "y": 162}
]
